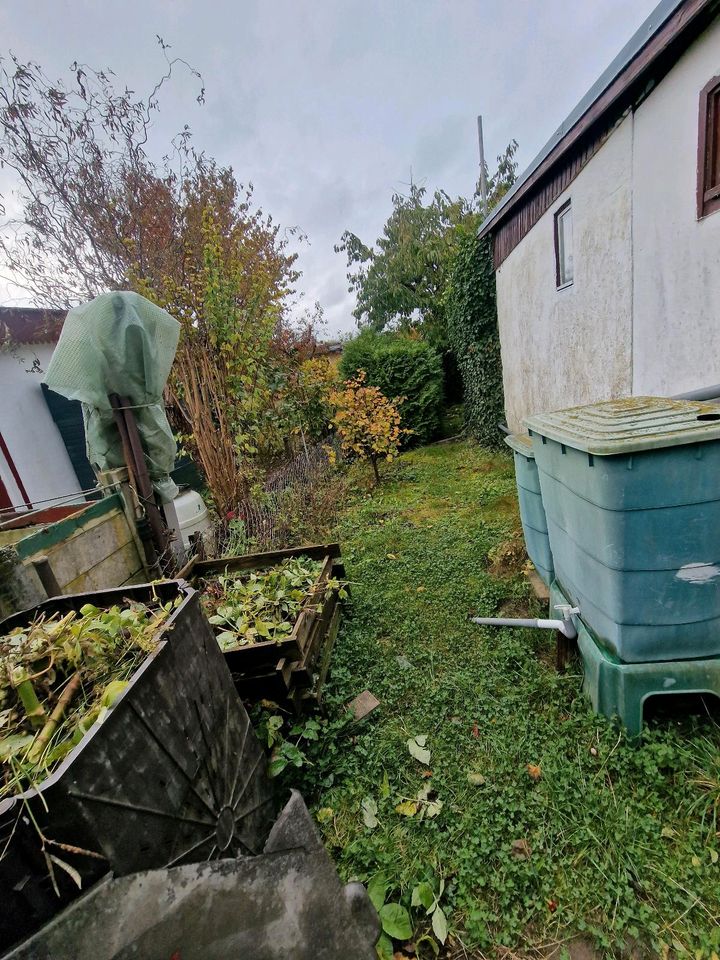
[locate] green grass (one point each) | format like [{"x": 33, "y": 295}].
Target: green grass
[{"x": 624, "y": 842}]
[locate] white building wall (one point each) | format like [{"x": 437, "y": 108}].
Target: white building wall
[
  {"x": 676, "y": 258},
  {"x": 572, "y": 346},
  {"x": 29, "y": 431}
]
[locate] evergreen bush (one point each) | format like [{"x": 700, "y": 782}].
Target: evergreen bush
[{"x": 401, "y": 366}]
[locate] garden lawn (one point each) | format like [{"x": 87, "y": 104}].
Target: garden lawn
[{"x": 552, "y": 828}]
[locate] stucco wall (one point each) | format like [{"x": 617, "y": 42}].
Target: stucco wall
[
  {"x": 572, "y": 346},
  {"x": 677, "y": 258},
  {"x": 28, "y": 429}
]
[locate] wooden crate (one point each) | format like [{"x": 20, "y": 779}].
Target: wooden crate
[{"x": 290, "y": 671}]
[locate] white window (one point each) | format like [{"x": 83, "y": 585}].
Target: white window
[{"x": 564, "y": 246}]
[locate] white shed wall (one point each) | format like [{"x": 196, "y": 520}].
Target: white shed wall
[
  {"x": 677, "y": 258},
  {"x": 572, "y": 346},
  {"x": 28, "y": 429}
]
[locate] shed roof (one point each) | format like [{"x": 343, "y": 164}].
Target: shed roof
[
  {"x": 674, "y": 15},
  {"x": 30, "y": 324}
]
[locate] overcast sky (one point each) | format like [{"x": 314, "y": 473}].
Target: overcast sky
[{"x": 328, "y": 105}]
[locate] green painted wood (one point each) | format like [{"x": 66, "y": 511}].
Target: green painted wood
[{"x": 43, "y": 540}]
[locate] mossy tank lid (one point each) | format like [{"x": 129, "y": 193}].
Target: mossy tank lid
[
  {"x": 521, "y": 443},
  {"x": 629, "y": 425}
]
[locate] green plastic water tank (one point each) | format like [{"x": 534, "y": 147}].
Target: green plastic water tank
[
  {"x": 631, "y": 490},
  {"x": 532, "y": 512}
]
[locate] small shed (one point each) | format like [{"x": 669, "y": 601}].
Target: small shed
[
  {"x": 606, "y": 247},
  {"x": 36, "y": 465}
]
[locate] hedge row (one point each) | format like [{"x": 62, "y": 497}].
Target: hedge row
[{"x": 401, "y": 367}]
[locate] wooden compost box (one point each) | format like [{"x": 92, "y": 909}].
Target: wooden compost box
[
  {"x": 174, "y": 774},
  {"x": 290, "y": 671}
]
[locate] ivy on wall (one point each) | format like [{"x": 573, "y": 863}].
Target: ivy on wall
[{"x": 471, "y": 310}]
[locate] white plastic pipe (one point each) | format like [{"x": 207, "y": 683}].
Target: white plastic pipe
[{"x": 564, "y": 626}]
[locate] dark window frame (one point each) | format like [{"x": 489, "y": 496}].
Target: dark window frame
[
  {"x": 708, "y": 196},
  {"x": 561, "y": 284}
]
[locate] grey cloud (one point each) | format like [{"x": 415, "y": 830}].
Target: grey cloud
[{"x": 325, "y": 106}]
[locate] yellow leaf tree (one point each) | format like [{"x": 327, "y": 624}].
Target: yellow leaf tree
[{"x": 366, "y": 422}]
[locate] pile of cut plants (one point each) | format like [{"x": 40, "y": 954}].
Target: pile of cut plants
[
  {"x": 59, "y": 676},
  {"x": 263, "y": 605}
]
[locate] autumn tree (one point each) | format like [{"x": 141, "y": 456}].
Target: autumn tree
[
  {"x": 400, "y": 280},
  {"x": 367, "y": 422},
  {"x": 99, "y": 213}
]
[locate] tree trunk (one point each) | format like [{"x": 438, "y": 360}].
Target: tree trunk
[{"x": 373, "y": 461}]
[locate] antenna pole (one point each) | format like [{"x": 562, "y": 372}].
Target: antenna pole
[{"x": 483, "y": 178}]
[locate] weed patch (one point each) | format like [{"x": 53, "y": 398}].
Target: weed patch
[{"x": 552, "y": 831}]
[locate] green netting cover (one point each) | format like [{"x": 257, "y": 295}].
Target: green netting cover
[{"x": 119, "y": 343}]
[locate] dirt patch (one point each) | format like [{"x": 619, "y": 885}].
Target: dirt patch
[
  {"x": 493, "y": 465},
  {"x": 508, "y": 558},
  {"x": 520, "y": 609},
  {"x": 576, "y": 949},
  {"x": 504, "y": 507},
  {"x": 427, "y": 512}
]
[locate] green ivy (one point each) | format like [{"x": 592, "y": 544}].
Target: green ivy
[
  {"x": 401, "y": 367},
  {"x": 471, "y": 311}
]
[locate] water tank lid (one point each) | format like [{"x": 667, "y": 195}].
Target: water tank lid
[
  {"x": 629, "y": 425},
  {"x": 521, "y": 443}
]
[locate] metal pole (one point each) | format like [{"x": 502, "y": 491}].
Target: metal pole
[
  {"x": 483, "y": 178},
  {"x": 47, "y": 576}
]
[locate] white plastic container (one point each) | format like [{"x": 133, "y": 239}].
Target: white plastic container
[{"x": 192, "y": 515}]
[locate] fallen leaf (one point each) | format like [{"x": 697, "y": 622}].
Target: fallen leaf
[
  {"x": 521, "y": 849},
  {"x": 476, "y": 779},
  {"x": 534, "y": 770},
  {"x": 408, "y": 808},
  {"x": 324, "y": 814},
  {"x": 432, "y": 808},
  {"x": 552, "y": 905},
  {"x": 439, "y": 924},
  {"x": 391, "y": 556},
  {"x": 369, "y": 813},
  {"x": 416, "y": 746},
  {"x": 475, "y": 730},
  {"x": 426, "y": 774},
  {"x": 421, "y": 589}
]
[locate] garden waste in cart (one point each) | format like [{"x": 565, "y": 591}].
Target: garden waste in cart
[
  {"x": 120, "y": 343},
  {"x": 276, "y": 615},
  {"x": 171, "y": 774}
]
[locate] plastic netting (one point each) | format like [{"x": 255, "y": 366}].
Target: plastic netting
[{"x": 119, "y": 343}]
